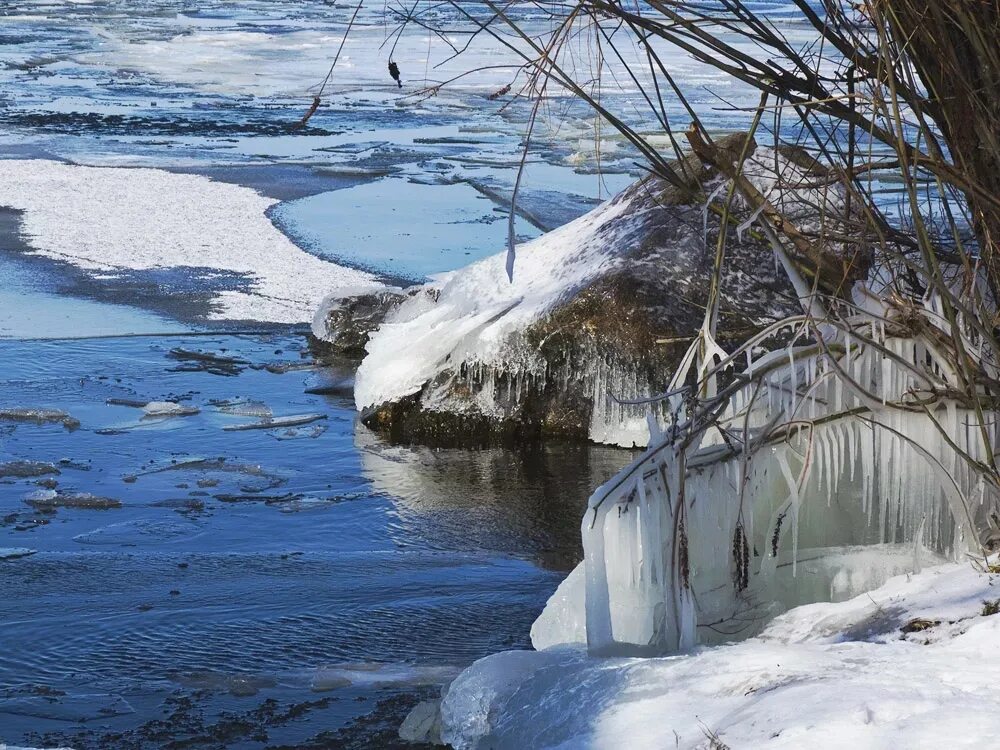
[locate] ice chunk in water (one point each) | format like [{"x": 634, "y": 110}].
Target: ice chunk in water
[
  {"x": 246, "y": 409},
  {"x": 40, "y": 416},
  {"x": 12, "y": 553},
  {"x": 50, "y": 499},
  {"x": 292, "y": 420},
  {"x": 168, "y": 409},
  {"x": 27, "y": 469},
  {"x": 69, "y": 708}
]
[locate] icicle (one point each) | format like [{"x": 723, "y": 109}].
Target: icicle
[
  {"x": 746, "y": 224},
  {"x": 708, "y": 202},
  {"x": 793, "y": 491},
  {"x": 918, "y": 546}
]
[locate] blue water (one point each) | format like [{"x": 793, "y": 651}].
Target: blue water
[{"x": 242, "y": 567}]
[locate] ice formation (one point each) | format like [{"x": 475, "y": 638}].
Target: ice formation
[
  {"x": 168, "y": 409},
  {"x": 835, "y": 465},
  {"x": 901, "y": 666},
  {"x": 120, "y": 220}
]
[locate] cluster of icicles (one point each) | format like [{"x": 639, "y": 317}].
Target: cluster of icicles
[
  {"x": 498, "y": 389},
  {"x": 839, "y": 468}
]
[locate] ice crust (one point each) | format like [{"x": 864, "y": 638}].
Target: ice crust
[
  {"x": 115, "y": 220},
  {"x": 829, "y": 675}
]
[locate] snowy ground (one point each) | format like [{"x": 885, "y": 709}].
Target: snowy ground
[{"x": 908, "y": 665}]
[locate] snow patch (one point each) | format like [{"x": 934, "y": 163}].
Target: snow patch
[
  {"x": 110, "y": 220},
  {"x": 849, "y": 674}
]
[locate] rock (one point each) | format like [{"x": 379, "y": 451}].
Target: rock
[
  {"x": 599, "y": 311},
  {"x": 342, "y": 324}
]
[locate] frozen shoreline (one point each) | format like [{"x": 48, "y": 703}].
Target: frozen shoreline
[{"x": 905, "y": 665}]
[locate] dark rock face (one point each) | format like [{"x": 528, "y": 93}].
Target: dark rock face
[
  {"x": 344, "y": 325},
  {"x": 617, "y": 333}
]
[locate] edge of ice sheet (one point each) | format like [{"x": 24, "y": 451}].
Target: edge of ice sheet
[
  {"x": 827, "y": 675},
  {"x": 112, "y": 219}
]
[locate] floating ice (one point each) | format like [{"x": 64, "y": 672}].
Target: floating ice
[
  {"x": 49, "y": 499},
  {"x": 13, "y": 553},
  {"x": 168, "y": 409},
  {"x": 292, "y": 420},
  {"x": 39, "y": 416},
  {"x": 27, "y": 469},
  {"x": 113, "y": 219},
  {"x": 246, "y": 408}
]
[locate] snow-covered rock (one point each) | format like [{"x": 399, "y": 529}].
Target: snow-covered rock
[
  {"x": 910, "y": 664},
  {"x": 600, "y": 309}
]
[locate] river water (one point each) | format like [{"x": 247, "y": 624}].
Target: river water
[{"x": 299, "y": 586}]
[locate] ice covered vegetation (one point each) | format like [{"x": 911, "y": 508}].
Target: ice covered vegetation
[{"x": 842, "y": 455}]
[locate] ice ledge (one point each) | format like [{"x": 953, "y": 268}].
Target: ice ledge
[{"x": 909, "y": 664}]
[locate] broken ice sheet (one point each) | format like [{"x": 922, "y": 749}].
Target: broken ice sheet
[
  {"x": 13, "y": 553},
  {"x": 69, "y": 708},
  {"x": 378, "y": 675},
  {"x": 295, "y": 433},
  {"x": 293, "y": 420},
  {"x": 245, "y": 408},
  {"x": 240, "y": 685},
  {"x": 168, "y": 409},
  {"x": 49, "y": 499},
  {"x": 39, "y": 416},
  {"x": 27, "y": 469}
]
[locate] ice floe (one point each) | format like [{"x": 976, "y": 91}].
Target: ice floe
[{"x": 118, "y": 220}]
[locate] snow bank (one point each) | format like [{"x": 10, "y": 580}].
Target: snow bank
[
  {"x": 911, "y": 664},
  {"x": 114, "y": 220}
]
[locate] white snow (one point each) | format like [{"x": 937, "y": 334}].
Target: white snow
[
  {"x": 114, "y": 220},
  {"x": 820, "y": 676},
  {"x": 477, "y": 310}
]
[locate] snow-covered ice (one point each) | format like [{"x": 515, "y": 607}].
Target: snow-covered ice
[
  {"x": 116, "y": 220},
  {"x": 911, "y": 664},
  {"x": 168, "y": 409}
]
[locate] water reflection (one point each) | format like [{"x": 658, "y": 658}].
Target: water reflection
[{"x": 526, "y": 503}]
